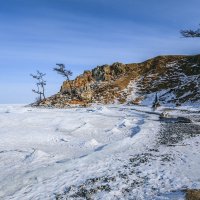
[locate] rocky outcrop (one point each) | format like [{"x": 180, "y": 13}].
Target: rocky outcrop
[
  {"x": 175, "y": 79},
  {"x": 192, "y": 194}
]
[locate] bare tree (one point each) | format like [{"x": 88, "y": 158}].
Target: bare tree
[
  {"x": 190, "y": 33},
  {"x": 67, "y": 74},
  {"x": 41, "y": 83},
  {"x": 64, "y": 72}
]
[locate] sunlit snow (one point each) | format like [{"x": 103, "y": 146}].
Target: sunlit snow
[{"x": 45, "y": 151}]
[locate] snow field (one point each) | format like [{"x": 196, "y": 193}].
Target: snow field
[{"x": 44, "y": 152}]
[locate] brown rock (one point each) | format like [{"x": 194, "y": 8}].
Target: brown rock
[
  {"x": 193, "y": 195},
  {"x": 108, "y": 83}
]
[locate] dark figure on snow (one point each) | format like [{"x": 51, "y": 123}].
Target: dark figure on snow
[{"x": 156, "y": 102}]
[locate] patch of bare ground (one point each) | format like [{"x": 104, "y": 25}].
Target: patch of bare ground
[{"x": 192, "y": 194}]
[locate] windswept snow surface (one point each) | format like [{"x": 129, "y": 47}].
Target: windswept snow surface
[{"x": 49, "y": 153}]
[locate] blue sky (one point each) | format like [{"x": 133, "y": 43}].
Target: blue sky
[{"x": 36, "y": 34}]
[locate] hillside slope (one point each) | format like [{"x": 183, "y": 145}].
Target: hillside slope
[{"x": 175, "y": 79}]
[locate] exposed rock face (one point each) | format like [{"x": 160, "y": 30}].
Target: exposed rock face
[
  {"x": 175, "y": 79},
  {"x": 193, "y": 195},
  {"x": 102, "y": 84}
]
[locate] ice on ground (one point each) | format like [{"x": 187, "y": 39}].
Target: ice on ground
[{"x": 44, "y": 152}]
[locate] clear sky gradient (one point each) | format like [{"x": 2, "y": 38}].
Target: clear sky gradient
[{"x": 37, "y": 34}]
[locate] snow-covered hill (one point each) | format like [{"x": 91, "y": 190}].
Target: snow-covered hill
[
  {"x": 101, "y": 152},
  {"x": 175, "y": 79}
]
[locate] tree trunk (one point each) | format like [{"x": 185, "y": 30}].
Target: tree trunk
[{"x": 43, "y": 92}]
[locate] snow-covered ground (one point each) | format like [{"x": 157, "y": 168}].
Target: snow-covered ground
[{"x": 101, "y": 152}]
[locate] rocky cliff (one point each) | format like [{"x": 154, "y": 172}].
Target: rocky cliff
[{"x": 175, "y": 80}]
